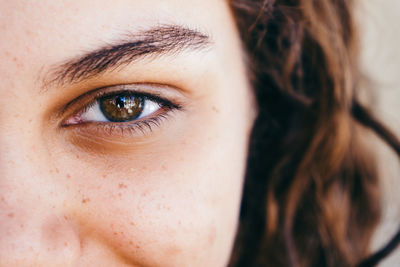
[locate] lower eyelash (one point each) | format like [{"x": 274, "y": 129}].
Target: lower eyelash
[{"x": 144, "y": 126}]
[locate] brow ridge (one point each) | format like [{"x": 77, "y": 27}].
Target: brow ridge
[{"x": 165, "y": 39}]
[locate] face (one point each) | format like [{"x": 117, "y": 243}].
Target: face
[{"x": 123, "y": 132}]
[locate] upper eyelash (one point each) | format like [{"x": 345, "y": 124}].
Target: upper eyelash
[
  {"x": 98, "y": 93},
  {"x": 164, "y": 102}
]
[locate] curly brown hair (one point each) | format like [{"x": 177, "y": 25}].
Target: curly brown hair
[{"x": 311, "y": 195}]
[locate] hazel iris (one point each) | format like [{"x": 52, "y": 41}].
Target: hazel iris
[{"x": 121, "y": 107}]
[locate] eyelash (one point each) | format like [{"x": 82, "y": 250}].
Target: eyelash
[
  {"x": 144, "y": 125},
  {"x": 132, "y": 127}
]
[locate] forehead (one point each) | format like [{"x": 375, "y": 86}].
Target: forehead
[
  {"x": 77, "y": 22},
  {"x": 106, "y": 14}
]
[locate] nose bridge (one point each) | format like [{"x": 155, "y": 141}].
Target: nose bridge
[
  {"x": 23, "y": 176},
  {"x": 18, "y": 158},
  {"x": 24, "y": 165},
  {"x": 34, "y": 230}
]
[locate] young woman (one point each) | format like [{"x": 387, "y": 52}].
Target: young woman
[{"x": 130, "y": 129}]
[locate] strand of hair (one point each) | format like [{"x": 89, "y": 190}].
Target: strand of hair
[{"x": 363, "y": 116}]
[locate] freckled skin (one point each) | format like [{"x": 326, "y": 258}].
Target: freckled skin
[{"x": 80, "y": 197}]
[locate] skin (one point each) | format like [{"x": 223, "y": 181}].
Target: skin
[{"x": 86, "y": 196}]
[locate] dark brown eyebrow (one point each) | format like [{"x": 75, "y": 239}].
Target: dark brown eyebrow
[{"x": 160, "y": 40}]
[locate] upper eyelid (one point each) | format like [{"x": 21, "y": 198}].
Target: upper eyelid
[{"x": 140, "y": 89}]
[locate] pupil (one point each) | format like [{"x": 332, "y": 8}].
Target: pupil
[{"x": 120, "y": 101}]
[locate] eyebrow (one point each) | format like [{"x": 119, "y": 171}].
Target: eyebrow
[{"x": 160, "y": 40}]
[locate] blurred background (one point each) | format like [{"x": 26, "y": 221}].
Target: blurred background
[{"x": 379, "y": 23}]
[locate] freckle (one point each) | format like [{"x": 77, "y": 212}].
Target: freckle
[
  {"x": 2, "y": 199},
  {"x": 131, "y": 243},
  {"x": 121, "y": 185},
  {"x": 115, "y": 233},
  {"x": 57, "y": 170},
  {"x": 14, "y": 59},
  {"x": 30, "y": 120},
  {"x": 137, "y": 247},
  {"x": 65, "y": 244},
  {"x": 22, "y": 226},
  {"x": 215, "y": 109},
  {"x": 132, "y": 223},
  {"x": 77, "y": 156},
  {"x": 85, "y": 200},
  {"x": 68, "y": 176},
  {"x": 11, "y": 215},
  {"x": 104, "y": 176}
]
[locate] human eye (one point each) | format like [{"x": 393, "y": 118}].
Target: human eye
[{"x": 124, "y": 108}]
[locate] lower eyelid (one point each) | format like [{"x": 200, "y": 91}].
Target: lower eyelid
[{"x": 120, "y": 132}]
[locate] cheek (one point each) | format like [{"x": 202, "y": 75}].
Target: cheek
[
  {"x": 178, "y": 203},
  {"x": 172, "y": 201}
]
